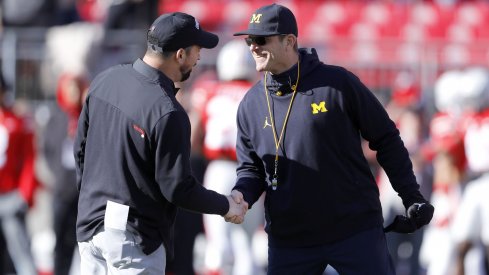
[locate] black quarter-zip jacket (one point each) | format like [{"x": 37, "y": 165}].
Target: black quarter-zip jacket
[
  {"x": 133, "y": 147},
  {"x": 326, "y": 191}
]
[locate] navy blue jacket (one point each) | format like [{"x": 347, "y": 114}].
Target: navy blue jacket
[
  {"x": 133, "y": 147},
  {"x": 326, "y": 191}
]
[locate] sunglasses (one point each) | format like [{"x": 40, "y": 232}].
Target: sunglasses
[{"x": 258, "y": 40}]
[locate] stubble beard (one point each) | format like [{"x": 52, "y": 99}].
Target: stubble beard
[{"x": 185, "y": 75}]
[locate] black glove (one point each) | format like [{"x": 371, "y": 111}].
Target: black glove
[
  {"x": 401, "y": 224},
  {"x": 418, "y": 215}
]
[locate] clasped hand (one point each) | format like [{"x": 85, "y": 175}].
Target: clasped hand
[{"x": 237, "y": 208}]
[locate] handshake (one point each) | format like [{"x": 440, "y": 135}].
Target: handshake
[{"x": 237, "y": 208}]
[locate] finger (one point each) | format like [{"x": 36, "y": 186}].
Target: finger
[
  {"x": 230, "y": 219},
  {"x": 238, "y": 220}
]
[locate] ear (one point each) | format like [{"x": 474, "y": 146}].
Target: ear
[
  {"x": 181, "y": 55},
  {"x": 291, "y": 40},
  {"x": 288, "y": 41}
]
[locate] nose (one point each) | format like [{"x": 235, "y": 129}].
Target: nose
[{"x": 254, "y": 47}]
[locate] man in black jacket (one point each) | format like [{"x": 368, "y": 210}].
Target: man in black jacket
[
  {"x": 299, "y": 140},
  {"x": 132, "y": 152}
]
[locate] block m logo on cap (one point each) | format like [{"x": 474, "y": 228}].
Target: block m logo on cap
[{"x": 255, "y": 18}]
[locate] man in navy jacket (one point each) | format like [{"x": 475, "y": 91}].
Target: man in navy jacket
[{"x": 299, "y": 140}]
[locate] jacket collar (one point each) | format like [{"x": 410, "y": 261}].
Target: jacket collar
[
  {"x": 282, "y": 82},
  {"x": 154, "y": 75},
  {"x": 308, "y": 59}
]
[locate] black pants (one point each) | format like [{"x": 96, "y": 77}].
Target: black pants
[{"x": 364, "y": 253}]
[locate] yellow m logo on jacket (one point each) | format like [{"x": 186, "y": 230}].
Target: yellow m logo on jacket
[
  {"x": 321, "y": 107},
  {"x": 255, "y": 18}
]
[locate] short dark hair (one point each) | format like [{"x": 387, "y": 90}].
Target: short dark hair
[{"x": 165, "y": 54}]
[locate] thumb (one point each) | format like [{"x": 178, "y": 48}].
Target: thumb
[{"x": 237, "y": 196}]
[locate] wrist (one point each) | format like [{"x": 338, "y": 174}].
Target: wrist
[
  {"x": 228, "y": 207},
  {"x": 412, "y": 198}
]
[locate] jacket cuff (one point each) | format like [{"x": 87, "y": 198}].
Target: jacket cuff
[{"x": 413, "y": 197}]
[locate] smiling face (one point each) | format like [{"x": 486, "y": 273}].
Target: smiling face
[{"x": 270, "y": 53}]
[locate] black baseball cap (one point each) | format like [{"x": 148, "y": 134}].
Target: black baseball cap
[
  {"x": 173, "y": 31},
  {"x": 271, "y": 20}
]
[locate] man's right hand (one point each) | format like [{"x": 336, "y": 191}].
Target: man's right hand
[
  {"x": 237, "y": 196},
  {"x": 237, "y": 209}
]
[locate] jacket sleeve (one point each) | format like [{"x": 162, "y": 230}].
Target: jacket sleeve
[
  {"x": 383, "y": 136},
  {"x": 80, "y": 141},
  {"x": 250, "y": 172},
  {"x": 171, "y": 138}
]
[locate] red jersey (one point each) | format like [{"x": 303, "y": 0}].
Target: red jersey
[
  {"x": 447, "y": 134},
  {"x": 218, "y": 104},
  {"x": 17, "y": 155}
]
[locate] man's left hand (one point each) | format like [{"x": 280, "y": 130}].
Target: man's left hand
[{"x": 420, "y": 213}]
